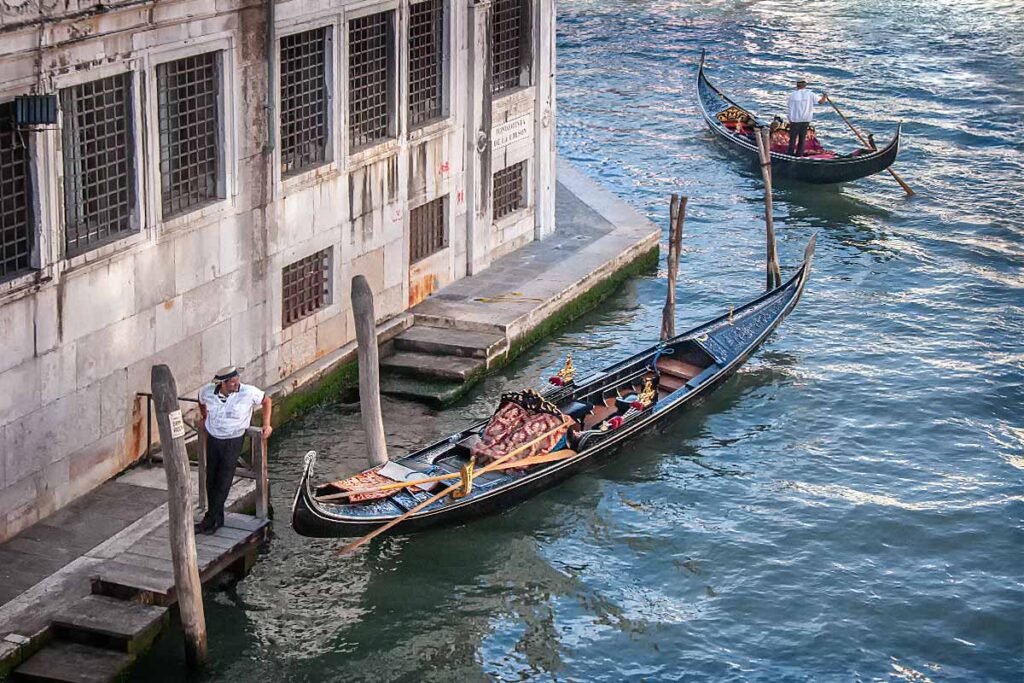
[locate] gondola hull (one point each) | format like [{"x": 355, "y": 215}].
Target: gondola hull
[
  {"x": 818, "y": 171},
  {"x": 727, "y": 342}
]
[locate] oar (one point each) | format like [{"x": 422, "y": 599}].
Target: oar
[
  {"x": 906, "y": 188},
  {"x": 438, "y": 496},
  {"x": 563, "y": 454}
]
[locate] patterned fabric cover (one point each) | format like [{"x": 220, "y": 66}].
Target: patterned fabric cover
[{"x": 520, "y": 419}]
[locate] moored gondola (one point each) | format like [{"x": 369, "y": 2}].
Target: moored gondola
[
  {"x": 575, "y": 424},
  {"x": 735, "y": 126}
]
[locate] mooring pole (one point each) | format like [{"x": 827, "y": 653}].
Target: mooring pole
[
  {"x": 179, "y": 506},
  {"x": 676, "y": 216},
  {"x": 764, "y": 147},
  {"x": 369, "y": 371}
]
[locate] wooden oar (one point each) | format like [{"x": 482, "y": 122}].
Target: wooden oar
[
  {"x": 906, "y": 188},
  {"x": 555, "y": 456},
  {"x": 438, "y": 496}
]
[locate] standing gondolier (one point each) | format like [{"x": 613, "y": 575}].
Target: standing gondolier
[
  {"x": 226, "y": 406},
  {"x": 800, "y": 108}
]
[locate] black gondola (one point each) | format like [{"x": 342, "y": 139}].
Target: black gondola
[
  {"x": 674, "y": 375},
  {"x": 735, "y": 125}
]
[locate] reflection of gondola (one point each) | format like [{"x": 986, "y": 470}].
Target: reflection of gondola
[
  {"x": 594, "y": 417},
  {"x": 735, "y": 125}
]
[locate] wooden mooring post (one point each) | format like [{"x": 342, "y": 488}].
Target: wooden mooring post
[
  {"x": 676, "y": 216},
  {"x": 369, "y": 371},
  {"x": 764, "y": 147},
  {"x": 180, "y": 512}
]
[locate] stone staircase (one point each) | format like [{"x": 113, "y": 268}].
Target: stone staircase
[{"x": 434, "y": 364}]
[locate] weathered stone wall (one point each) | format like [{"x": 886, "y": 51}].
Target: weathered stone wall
[{"x": 78, "y": 336}]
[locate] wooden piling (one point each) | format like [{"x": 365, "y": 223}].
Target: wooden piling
[
  {"x": 676, "y": 216},
  {"x": 369, "y": 371},
  {"x": 764, "y": 146},
  {"x": 180, "y": 512}
]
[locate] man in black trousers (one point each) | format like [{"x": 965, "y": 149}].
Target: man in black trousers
[
  {"x": 800, "y": 107},
  {"x": 226, "y": 406}
]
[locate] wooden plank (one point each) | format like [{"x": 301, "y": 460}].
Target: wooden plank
[
  {"x": 136, "y": 578},
  {"x": 678, "y": 368},
  {"x": 74, "y": 663},
  {"x": 670, "y": 383},
  {"x": 108, "y": 622},
  {"x": 246, "y": 522}
]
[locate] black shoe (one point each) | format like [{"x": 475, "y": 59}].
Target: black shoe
[{"x": 204, "y": 526}]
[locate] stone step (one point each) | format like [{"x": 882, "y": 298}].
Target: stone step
[
  {"x": 110, "y": 623},
  {"x": 449, "y": 368},
  {"x": 441, "y": 341},
  {"x": 74, "y": 663}
]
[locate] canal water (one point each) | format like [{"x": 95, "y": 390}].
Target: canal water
[{"x": 849, "y": 507}]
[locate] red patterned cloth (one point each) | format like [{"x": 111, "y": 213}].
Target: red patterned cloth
[
  {"x": 780, "y": 143},
  {"x": 513, "y": 426},
  {"x": 368, "y": 480}
]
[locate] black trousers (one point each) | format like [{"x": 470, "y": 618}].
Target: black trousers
[
  {"x": 798, "y": 134},
  {"x": 221, "y": 461}
]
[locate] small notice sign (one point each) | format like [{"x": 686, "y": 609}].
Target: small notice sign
[
  {"x": 177, "y": 424},
  {"x": 511, "y": 131}
]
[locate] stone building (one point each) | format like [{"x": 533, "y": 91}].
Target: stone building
[{"x": 165, "y": 205}]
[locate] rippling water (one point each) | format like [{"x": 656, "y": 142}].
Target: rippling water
[{"x": 849, "y": 507}]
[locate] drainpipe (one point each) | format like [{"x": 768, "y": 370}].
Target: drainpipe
[{"x": 271, "y": 43}]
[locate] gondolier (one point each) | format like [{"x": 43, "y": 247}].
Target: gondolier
[
  {"x": 226, "y": 406},
  {"x": 800, "y": 108}
]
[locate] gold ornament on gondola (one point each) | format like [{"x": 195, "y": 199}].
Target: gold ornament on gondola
[
  {"x": 730, "y": 314},
  {"x": 647, "y": 394},
  {"x": 467, "y": 482},
  {"x": 568, "y": 372}
]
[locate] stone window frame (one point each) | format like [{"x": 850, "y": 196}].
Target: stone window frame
[
  {"x": 20, "y": 138},
  {"x": 528, "y": 19},
  {"x": 331, "y": 22},
  {"x": 180, "y": 162},
  {"x": 361, "y": 155},
  {"x": 526, "y": 197},
  {"x": 445, "y": 63},
  {"x": 323, "y": 259},
  {"x": 225, "y": 45},
  {"x": 55, "y": 210},
  {"x": 338, "y": 296}
]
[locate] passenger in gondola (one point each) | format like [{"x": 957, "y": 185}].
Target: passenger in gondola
[{"x": 800, "y": 106}]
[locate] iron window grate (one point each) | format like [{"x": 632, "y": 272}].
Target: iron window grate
[
  {"x": 370, "y": 81},
  {"x": 99, "y": 163},
  {"x": 426, "y": 40},
  {"x": 508, "y": 48},
  {"x": 16, "y": 231},
  {"x": 428, "y": 232},
  {"x": 188, "y": 93},
  {"x": 305, "y": 287},
  {"x": 508, "y": 190},
  {"x": 303, "y": 100}
]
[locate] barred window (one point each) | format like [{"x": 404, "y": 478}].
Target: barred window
[
  {"x": 304, "y": 105},
  {"x": 99, "y": 163},
  {"x": 509, "y": 186},
  {"x": 188, "y": 91},
  {"x": 510, "y": 48},
  {"x": 305, "y": 287},
  {"x": 371, "y": 82},
  {"x": 428, "y": 233},
  {"x": 16, "y": 230},
  {"x": 426, "y": 53}
]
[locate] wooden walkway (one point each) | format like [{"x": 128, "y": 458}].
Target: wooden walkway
[{"x": 87, "y": 590}]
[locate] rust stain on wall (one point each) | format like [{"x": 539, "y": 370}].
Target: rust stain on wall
[{"x": 421, "y": 287}]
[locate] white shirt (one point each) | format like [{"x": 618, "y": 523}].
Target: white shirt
[
  {"x": 801, "y": 105},
  {"x": 228, "y": 418}
]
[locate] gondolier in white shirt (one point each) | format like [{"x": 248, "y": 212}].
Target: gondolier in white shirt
[
  {"x": 226, "y": 406},
  {"x": 800, "y": 106}
]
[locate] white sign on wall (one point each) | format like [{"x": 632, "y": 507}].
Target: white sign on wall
[{"x": 511, "y": 131}]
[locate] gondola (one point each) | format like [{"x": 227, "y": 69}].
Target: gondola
[
  {"x": 735, "y": 126},
  {"x": 601, "y": 413}
]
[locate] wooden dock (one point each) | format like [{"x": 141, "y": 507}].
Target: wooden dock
[{"x": 90, "y": 620}]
